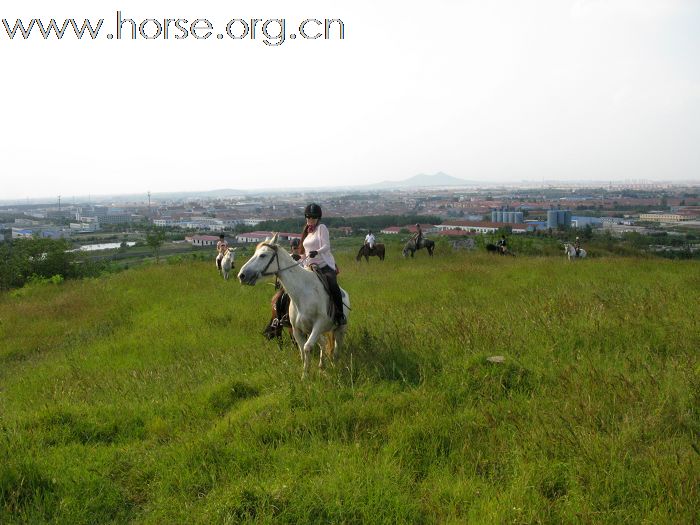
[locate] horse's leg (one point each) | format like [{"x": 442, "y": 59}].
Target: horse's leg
[
  {"x": 309, "y": 345},
  {"x": 301, "y": 343}
]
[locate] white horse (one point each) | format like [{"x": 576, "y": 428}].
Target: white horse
[
  {"x": 310, "y": 302},
  {"x": 227, "y": 262},
  {"x": 570, "y": 252}
]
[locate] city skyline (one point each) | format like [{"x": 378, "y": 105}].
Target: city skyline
[{"x": 384, "y": 186}]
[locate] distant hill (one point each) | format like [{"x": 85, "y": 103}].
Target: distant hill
[{"x": 423, "y": 180}]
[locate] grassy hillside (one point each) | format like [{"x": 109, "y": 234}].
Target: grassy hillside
[{"x": 150, "y": 396}]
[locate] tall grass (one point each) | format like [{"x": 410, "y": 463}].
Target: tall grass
[{"x": 149, "y": 396}]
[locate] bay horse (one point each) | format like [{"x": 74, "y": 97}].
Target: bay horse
[
  {"x": 410, "y": 247},
  {"x": 310, "y": 304},
  {"x": 366, "y": 252},
  {"x": 570, "y": 252}
]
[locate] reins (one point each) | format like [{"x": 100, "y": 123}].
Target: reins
[{"x": 275, "y": 258}]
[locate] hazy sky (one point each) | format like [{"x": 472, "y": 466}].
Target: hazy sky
[{"x": 497, "y": 90}]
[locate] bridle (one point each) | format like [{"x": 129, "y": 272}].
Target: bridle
[{"x": 275, "y": 257}]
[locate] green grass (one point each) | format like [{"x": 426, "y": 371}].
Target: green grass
[{"x": 149, "y": 396}]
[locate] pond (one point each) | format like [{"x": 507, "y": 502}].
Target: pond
[{"x": 103, "y": 246}]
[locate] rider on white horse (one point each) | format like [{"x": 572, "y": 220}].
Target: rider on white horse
[
  {"x": 221, "y": 248},
  {"x": 316, "y": 250},
  {"x": 309, "y": 307}
]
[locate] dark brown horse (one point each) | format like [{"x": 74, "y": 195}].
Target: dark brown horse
[
  {"x": 280, "y": 318},
  {"x": 411, "y": 248},
  {"x": 494, "y": 248},
  {"x": 366, "y": 252}
]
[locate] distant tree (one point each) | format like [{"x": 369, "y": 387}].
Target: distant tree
[
  {"x": 20, "y": 259},
  {"x": 154, "y": 239}
]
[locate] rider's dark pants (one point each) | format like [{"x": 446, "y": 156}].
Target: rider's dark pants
[{"x": 336, "y": 294}]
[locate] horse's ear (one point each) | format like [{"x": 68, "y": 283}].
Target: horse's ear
[{"x": 274, "y": 238}]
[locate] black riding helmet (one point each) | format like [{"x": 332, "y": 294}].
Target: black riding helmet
[{"x": 313, "y": 211}]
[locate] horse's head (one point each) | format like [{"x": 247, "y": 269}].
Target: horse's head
[{"x": 265, "y": 258}]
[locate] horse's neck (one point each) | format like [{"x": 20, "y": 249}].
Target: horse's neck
[{"x": 297, "y": 282}]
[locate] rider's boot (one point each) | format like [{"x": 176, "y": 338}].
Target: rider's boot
[{"x": 339, "y": 318}]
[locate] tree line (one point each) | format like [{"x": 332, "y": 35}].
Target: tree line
[
  {"x": 373, "y": 222},
  {"x": 22, "y": 260}
]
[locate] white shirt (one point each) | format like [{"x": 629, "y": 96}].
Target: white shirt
[
  {"x": 369, "y": 239},
  {"x": 318, "y": 241}
]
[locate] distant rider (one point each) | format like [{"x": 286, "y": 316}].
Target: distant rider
[
  {"x": 221, "y": 248},
  {"x": 369, "y": 240},
  {"x": 577, "y": 246},
  {"x": 418, "y": 236},
  {"x": 502, "y": 244}
]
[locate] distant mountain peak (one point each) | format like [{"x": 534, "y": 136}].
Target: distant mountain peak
[{"x": 423, "y": 180}]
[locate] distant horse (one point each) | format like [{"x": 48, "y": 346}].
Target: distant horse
[
  {"x": 227, "y": 262},
  {"x": 366, "y": 252},
  {"x": 494, "y": 248},
  {"x": 410, "y": 247},
  {"x": 310, "y": 308},
  {"x": 570, "y": 252}
]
